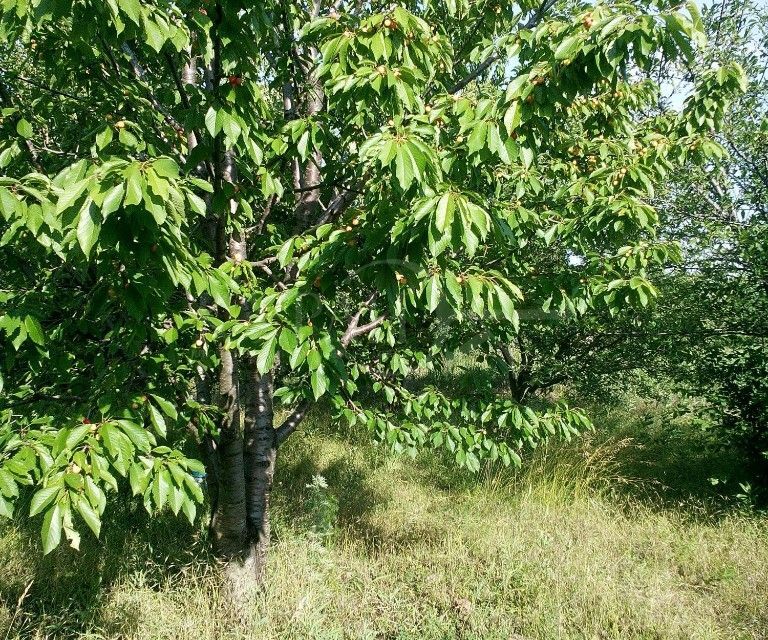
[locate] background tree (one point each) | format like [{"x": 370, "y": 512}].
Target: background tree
[
  {"x": 715, "y": 297},
  {"x": 210, "y": 205}
]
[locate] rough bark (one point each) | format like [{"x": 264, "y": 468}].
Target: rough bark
[
  {"x": 247, "y": 461},
  {"x": 310, "y": 103},
  {"x": 229, "y": 525},
  {"x": 260, "y": 453}
]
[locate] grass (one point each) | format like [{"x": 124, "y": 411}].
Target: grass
[{"x": 608, "y": 537}]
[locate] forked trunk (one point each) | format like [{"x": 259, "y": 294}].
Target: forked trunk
[
  {"x": 246, "y": 449},
  {"x": 246, "y": 465}
]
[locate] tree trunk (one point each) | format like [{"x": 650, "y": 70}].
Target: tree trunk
[
  {"x": 260, "y": 453},
  {"x": 240, "y": 525},
  {"x": 246, "y": 463},
  {"x": 518, "y": 377},
  {"x": 229, "y": 520}
]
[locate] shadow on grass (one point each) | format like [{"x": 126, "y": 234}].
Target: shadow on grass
[
  {"x": 349, "y": 479},
  {"x": 677, "y": 469},
  {"x": 356, "y": 471},
  {"x": 64, "y": 589},
  {"x": 678, "y": 458}
]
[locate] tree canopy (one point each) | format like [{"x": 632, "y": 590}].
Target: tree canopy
[{"x": 205, "y": 204}]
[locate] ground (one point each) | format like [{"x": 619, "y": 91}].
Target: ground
[{"x": 619, "y": 535}]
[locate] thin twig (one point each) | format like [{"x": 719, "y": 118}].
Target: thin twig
[
  {"x": 35, "y": 83},
  {"x": 141, "y": 76},
  {"x": 495, "y": 57}
]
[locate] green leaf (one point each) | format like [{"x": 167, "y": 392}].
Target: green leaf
[
  {"x": 507, "y": 306},
  {"x": 477, "y": 139},
  {"x": 87, "y": 229},
  {"x": 472, "y": 462},
  {"x": 153, "y": 36},
  {"x": 42, "y": 499},
  {"x": 75, "y": 436},
  {"x": 95, "y": 494},
  {"x": 512, "y": 117},
  {"x": 161, "y": 485},
  {"x": 210, "y": 122},
  {"x": 286, "y": 252},
  {"x": 71, "y": 195},
  {"x": 157, "y": 420},
  {"x": 454, "y": 288},
  {"x": 134, "y": 189},
  {"x": 515, "y": 87},
  {"x": 137, "y": 434},
  {"x": 288, "y": 340},
  {"x": 444, "y": 212},
  {"x": 433, "y": 291},
  {"x": 139, "y": 478},
  {"x": 9, "y": 203},
  {"x": 113, "y": 200},
  {"x": 219, "y": 290},
  {"x": 197, "y": 204},
  {"x": 266, "y": 357},
  {"x": 104, "y": 137},
  {"x": 175, "y": 500},
  {"x": 298, "y": 356},
  {"x": 166, "y": 407},
  {"x": 193, "y": 488},
  {"x": 319, "y": 382},
  {"x": 34, "y": 330},
  {"x": 89, "y": 515},
  {"x": 6, "y": 508},
  {"x": 24, "y": 129},
  {"x": 127, "y": 138},
  {"x": 166, "y": 168},
  {"x": 8, "y": 485},
  {"x": 131, "y": 8},
  {"x": 404, "y": 168},
  {"x": 568, "y": 47},
  {"x": 160, "y": 188},
  {"x": 51, "y": 531},
  {"x": 189, "y": 509},
  {"x": 527, "y": 155}
]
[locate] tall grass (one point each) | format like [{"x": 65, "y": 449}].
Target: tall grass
[{"x": 573, "y": 545}]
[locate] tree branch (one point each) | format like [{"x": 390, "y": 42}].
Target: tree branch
[
  {"x": 292, "y": 422},
  {"x": 35, "y": 83},
  {"x": 141, "y": 76},
  {"x": 758, "y": 171},
  {"x": 475, "y": 74},
  {"x": 265, "y": 214},
  {"x": 354, "y": 329},
  {"x": 495, "y": 57}
]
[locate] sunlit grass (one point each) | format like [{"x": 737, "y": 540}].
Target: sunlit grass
[{"x": 569, "y": 547}]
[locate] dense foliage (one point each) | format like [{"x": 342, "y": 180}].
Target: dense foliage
[
  {"x": 203, "y": 202},
  {"x": 717, "y": 297}
]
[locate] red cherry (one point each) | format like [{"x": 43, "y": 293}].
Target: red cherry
[
  {"x": 86, "y": 421},
  {"x": 235, "y": 81}
]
